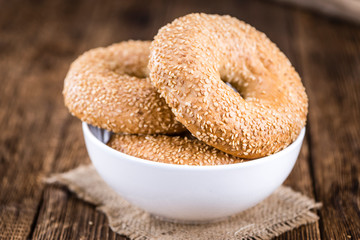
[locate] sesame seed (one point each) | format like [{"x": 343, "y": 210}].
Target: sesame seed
[
  {"x": 110, "y": 88},
  {"x": 171, "y": 149},
  {"x": 221, "y": 47}
]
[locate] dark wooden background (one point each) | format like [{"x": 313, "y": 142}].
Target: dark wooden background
[{"x": 38, "y": 41}]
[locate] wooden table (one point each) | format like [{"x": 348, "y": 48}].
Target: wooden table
[{"x": 39, "y": 40}]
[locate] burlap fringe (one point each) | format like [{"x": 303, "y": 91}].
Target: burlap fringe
[{"x": 284, "y": 210}]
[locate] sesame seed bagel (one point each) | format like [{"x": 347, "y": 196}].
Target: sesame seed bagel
[
  {"x": 192, "y": 57},
  {"x": 109, "y": 88},
  {"x": 171, "y": 149}
]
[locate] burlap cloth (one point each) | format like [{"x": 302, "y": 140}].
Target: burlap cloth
[{"x": 281, "y": 212}]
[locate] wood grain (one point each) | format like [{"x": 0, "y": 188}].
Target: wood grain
[
  {"x": 327, "y": 52},
  {"x": 38, "y": 41},
  {"x": 61, "y": 215},
  {"x": 29, "y": 125}
]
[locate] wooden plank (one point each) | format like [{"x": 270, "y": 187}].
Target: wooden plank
[
  {"x": 21, "y": 165},
  {"x": 46, "y": 228},
  {"x": 330, "y": 56},
  {"x": 53, "y": 33},
  {"x": 62, "y": 215},
  {"x": 31, "y": 108}
]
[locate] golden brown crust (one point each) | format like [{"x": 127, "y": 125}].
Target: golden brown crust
[
  {"x": 191, "y": 55},
  {"x": 109, "y": 88},
  {"x": 171, "y": 149}
]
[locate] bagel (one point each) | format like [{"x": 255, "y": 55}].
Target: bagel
[
  {"x": 191, "y": 58},
  {"x": 171, "y": 149},
  {"x": 109, "y": 88}
]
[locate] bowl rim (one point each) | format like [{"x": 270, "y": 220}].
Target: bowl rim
[{"x": 254, "y": 162}]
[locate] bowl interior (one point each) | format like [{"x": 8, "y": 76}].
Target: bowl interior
[
  {"x": 100, "y": 137},
  {"x": 189, "y": 193}
]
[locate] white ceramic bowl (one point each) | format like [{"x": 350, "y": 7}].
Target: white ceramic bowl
[{"x": 191, "y": 193}]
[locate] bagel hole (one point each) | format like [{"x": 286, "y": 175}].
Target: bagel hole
[
  {"x": 130, "y": 71},
  {"x": 138, "y": 74},
  {"x": 235, "y": 89}
]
